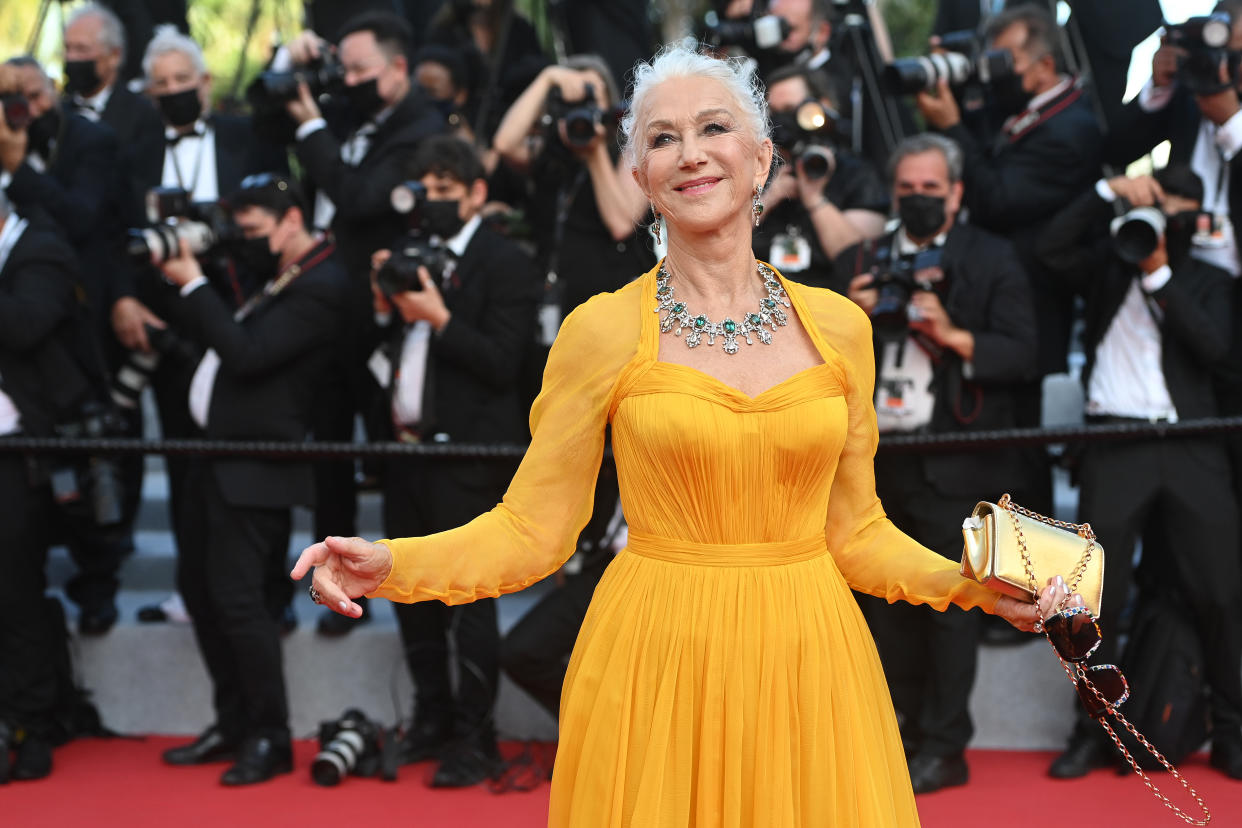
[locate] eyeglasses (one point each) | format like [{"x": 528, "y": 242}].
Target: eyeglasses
[
  {"x": 265, "y": 179},
  {"x": 1075, "y": 636}
]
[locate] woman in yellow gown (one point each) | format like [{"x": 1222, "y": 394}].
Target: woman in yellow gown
[{"x": 724, "y": 675}]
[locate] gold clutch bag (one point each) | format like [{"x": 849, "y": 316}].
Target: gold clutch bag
[{"x": 1015, "y": 551}]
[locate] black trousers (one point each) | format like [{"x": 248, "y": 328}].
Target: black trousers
[
  {"x": 930, "y": 658},
  {"x": 1186, "y": 484},
  {"x": 226, "y": 569},
  {"x": 440, "y": 640},
  {"x": 27, "y": 640}
]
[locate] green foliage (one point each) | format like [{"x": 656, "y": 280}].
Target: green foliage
[{"x": 909, "y": 24}]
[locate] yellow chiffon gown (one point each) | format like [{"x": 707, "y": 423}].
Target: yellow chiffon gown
[{"x": 724, "y": 677}]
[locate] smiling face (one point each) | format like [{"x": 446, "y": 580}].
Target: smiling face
[{"x": 698, "y": 163}]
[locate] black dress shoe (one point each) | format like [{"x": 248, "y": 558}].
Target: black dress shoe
[
  {"x": 1227, "y": 757},
  {"x": 210, "y": 746},
  {"x": 427, "y": 739},
  {"x": 1083, "y": 755},
  {"x": 931, "y": 773},
  {"x": 258, "y": 760},
  {"x": 333, "y": 624},
  {"x": 467, "y": 764},
  {"x": 96, "y": 620},
  {"x": 33, "y": 759}
]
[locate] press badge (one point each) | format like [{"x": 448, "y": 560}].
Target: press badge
[
  {"x": 1212, "y": 230},
  {"x": 791, "y": 252}
]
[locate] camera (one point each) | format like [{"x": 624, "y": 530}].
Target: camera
[
  {"x": 92, "y": 483},
  {"x": 580, "y": 117},
  {"x": 352, "y": 744},
  {"x": 964, "y": 60},
  {"x": 16, "y": 110},
  {"x": 807, "y": 134},
  {"x": 268, "y": 93},
  {"x": 1137, "y": 233},
  {"x": 416, "y": 248},
  {"x": 757, "y": 34},
  {"x": 134, "y": 374},
  {"x": 896, "y": 279},
  {"x": 1205, "y": 40},
  {"x": 175, "y": 217}
]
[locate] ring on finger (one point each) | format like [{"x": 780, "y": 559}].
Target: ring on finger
[{"x": 315, "y": 596}]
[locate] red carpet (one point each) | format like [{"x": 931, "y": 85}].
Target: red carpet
[{"x": 100, "y": 784}]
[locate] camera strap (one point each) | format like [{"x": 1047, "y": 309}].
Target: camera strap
[
  {"x": 275, "y": 287},
  {"x": 198, "y": 159}
]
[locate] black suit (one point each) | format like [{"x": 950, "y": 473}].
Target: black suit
[
  {"x": 364, "y": 222},
  {"x": 37, "y": 314},
  {"x": 232, "y": 562},
  {"x": 470, "y": 394},
  {"x": 1184, "y": 481},
  {"x": 930, "y": 657}
]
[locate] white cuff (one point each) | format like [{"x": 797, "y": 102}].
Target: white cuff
[
  {"x": 282, "y": 61},
  {"x": 1104, "y": 191},
  {"x": 193, "y": 285},
  {"x": 382, "y": 319},
  {"x": 306, "y": 128},
  {"x": 1157, "y": 279},
  {"x": 1153, "y": 98},
  {"x": 1229, "y": 136},
  {"x": 6, "y": 178}
]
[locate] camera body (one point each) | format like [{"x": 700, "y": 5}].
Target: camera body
[
  {"x": 174, "y": 217},
  {"x": 92, "y": 484},
  {"x": 1205, "y": 39},
  {"x": 323, "y": 76},
  {"x": 16, "y": 110},
  {"x": 415, "y": 249},
  {"x": 808, "y": 135},
  {"x": 351, "y": 744},
  {"x": 580, "y": 117},
  {"x": 754, "y": 34},
  {"x": 965, "y": 59},
  {"x": 896, "y": 278},
  {"x": 134, "y": 374}
]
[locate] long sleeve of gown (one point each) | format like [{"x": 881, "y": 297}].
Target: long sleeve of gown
[
  {"x": 535, "y": 527},
  {"x": 874, "y": 555}
]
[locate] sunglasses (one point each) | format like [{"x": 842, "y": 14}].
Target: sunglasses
[
  {"x": 260, "y": 180},
  {"x": 1075, "y": 635}
]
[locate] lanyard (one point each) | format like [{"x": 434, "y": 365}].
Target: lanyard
[
  {"x": 198, "y": 164},
  {"x": 273, "y": 288}
]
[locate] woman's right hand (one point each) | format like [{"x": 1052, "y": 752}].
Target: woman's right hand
[{"x": 345, "y": 568}]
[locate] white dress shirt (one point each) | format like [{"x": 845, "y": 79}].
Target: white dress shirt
[
  {"x": 190, "y": 163},
  {"x": 10, "y": 417},
  {"x": 92, "y": 108},
  {"x": 1128, "y": 377}
]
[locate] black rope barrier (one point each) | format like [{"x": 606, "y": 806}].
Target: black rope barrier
[{"x": 941, "y": 442}]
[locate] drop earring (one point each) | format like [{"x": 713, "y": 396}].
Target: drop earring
[
  {"x": 655, "y": 225},
  {"x": 756, "y": 207}
]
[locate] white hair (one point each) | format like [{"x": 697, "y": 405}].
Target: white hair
[
  {"x": 678, "y": 60},
  {"x": 111, "y": 31},
  {"x": 168, "y": 39}
]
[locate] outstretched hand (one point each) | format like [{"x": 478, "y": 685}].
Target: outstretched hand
[
  {"x": 345, "y": 568},
  {"x": 1024, "y": 614}
]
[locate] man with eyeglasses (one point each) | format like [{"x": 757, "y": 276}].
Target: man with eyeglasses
[{"x": 255, "y": 381}]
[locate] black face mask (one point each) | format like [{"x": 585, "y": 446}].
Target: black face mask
[
  {"x": 42, "y": 130},
  {"x": 442, "y": 218},
  {"x": 255, "y": 257},
  {"x": 1008, "y": 96},
  {"x": 1179, "y": 228},
  {"x": 365, "y": 98},
  {"x": 81, "y": 78},
  {"x": 921, "y": 215},
  {"x": 445, "y": 106},
  {"x": 180, "y": 109}
]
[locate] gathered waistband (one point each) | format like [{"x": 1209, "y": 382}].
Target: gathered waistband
[{"x": 775, "y": 553}]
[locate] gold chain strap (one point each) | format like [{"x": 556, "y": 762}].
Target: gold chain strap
[
  {"x": 1083, "y": 530},
  {"x": 1075, "y": 673}
]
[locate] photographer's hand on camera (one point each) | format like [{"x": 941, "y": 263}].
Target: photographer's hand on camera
[
  {"x": 182, "y": 269},
  {"x": 862, "y": 293},
  {"x": 422, "y": 305},
  {"x": 306, "y": 48},
  {"x": 130, "y": 319},
  {"x": 13, "y": 142},
  {"x": 1140, "y": 191},
  {"x": 1219, "y": 107},
  {"x": 930, "y": 318},
  {"x": 303, "y": 108},
  {"x": 1164, "y": 64},
  {"x": 940, "y": 110}
]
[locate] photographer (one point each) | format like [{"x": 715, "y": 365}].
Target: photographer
[
  {"x": 585, "y": 206},
  {"x": 955, "y": 335},
  {"x": 353, "y": 157},
  {"x": 1157, "y": 320},
  {"x": 41, "y": 386},
  {"x": 256, "y": 381},
  {"x": 823, "y": 198},
  {"x": 454, "y": 343}
]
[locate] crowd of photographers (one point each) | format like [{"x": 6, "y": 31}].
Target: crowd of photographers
[{"x": 457, "y": 193}]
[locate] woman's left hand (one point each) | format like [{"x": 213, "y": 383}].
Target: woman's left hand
[{"x": 1024, "y": 614}]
